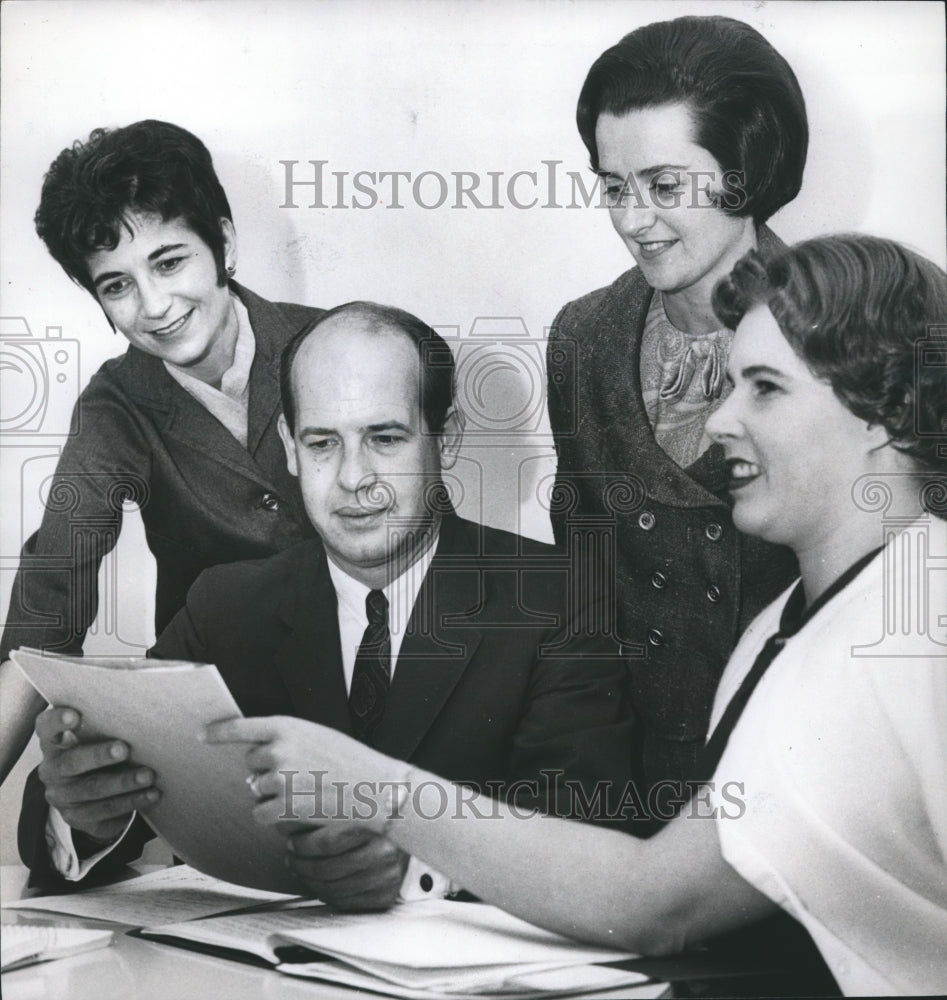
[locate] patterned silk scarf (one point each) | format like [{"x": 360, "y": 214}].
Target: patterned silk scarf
[{"x": 682, "y": 381}]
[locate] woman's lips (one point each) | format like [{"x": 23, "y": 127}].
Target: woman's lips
[
  {"x": 172, "y": 328},
  {"x": 741, "y": 472},
  {"x": 649, "y": 249}
]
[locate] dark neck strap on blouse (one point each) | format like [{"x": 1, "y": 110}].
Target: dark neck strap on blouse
[{"x": 794, "y": 617}]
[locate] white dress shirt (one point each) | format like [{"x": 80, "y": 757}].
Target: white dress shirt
[{"x": 420, "y": 880}]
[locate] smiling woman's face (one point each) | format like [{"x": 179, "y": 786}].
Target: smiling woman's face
[
  {"x": 665, "y": 213},
  {"x": 159, "y": 288},
  {"x": 794, "y": 451}
]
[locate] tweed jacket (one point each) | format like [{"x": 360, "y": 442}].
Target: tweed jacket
[
  {"x": 204, "y": 499},
  {"x": 685, "y": 582}
]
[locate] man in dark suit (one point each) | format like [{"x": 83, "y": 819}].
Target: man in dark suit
[{"x": 434, "y": 639}]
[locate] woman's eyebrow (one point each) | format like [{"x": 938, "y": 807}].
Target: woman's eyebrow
[
  {"x": 753, "y": 370},
  {"x": 155, "y": 254}
]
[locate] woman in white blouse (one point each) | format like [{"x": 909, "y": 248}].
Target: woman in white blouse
[{"x": 826, "y": 768}]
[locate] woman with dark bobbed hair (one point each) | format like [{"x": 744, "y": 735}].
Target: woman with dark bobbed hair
[
  {"x": 183, "y": 423},
  {"x": 697, "y": 128},
  {"x": 826, "y": 767}
]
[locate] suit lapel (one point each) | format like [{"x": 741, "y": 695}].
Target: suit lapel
[
  {"x": 439, "y": 644},
  {"x": 179, "y": 416},
  {"x": 310, "y": 659},
  {"x": 269, "y": 333}
]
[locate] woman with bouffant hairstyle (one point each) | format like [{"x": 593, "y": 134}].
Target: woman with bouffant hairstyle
[
  {"x": 698, "y": 132},
  {"x": 858, "y": 309}
]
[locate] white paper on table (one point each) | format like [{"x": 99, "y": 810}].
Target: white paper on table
[
  {"x": 161, "y": 709},
  {"x": 171, "y": 894},
  {"x": 443, "y": 933},
  {"x": 547, "y": 983}
]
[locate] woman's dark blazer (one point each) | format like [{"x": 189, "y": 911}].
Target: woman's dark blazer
[
  {"x": 138, "y": 436},
  {"x": 686, "y": 583}
]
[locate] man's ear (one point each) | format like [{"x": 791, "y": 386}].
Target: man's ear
[
  {"x": 451, "y": 437},
  {"x": 289, "y": 445}
]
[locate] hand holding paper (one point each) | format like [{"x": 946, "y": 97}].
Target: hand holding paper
[
  {"x": 90, "y": 782},
  {"x": 204, "y": 810}
]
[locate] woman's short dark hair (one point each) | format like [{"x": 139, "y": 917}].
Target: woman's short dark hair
[
  {"x": 855, "y": 308},
  {"x": 748, "y": 110},
  {"x": 435, "y": 360},
  {"x": 150, "y": 167}
]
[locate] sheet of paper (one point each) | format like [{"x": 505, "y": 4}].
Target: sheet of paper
[
  {"x": 443, "y": 933},
  {"x": 516, "y": 977},
  {"x": 169, "y": 895},
  {"x": 205, "y": 812},
  {"x": 550, "y": 983}
]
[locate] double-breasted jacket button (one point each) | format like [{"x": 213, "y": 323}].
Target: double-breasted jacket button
[
  {"x": 713, "y": 531},
  {"x": 659, "y": 581},
  {"x": 656, "y": 637},
  {"x": 713, "y": 593},
  {"x": 426, "y": 882},
  {"x": 269, "y": 501},
  {"x": 646, "y": 520}
]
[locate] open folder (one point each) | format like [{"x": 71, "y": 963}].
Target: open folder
[
  {"x": 160, "y": 708},
  {"x": 429, "y": 949}
]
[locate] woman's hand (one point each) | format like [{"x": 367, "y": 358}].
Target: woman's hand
[
  {"x": 332, "y": 797},
  {"x": 304, "y": 772}
]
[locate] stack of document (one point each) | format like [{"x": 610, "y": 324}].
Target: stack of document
[{"x": 430, "y": 949}]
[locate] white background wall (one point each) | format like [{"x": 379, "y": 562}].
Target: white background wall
[{"x": 413, "y": 86}]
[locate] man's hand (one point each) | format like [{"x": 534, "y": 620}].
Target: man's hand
[
  {"x": 91, "y": 784},
  {"x": 346, "y": 865}
]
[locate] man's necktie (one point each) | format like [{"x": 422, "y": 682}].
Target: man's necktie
[{"x": 372, "y": 673}]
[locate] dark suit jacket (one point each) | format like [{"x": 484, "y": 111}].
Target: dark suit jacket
[
  {"x": 204, "y": 498},
  {"x": 496, "y": 679},
  {"x": 686, "y": 583}
]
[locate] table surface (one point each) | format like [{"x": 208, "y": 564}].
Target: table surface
[{"x": 136, "y": 969}]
